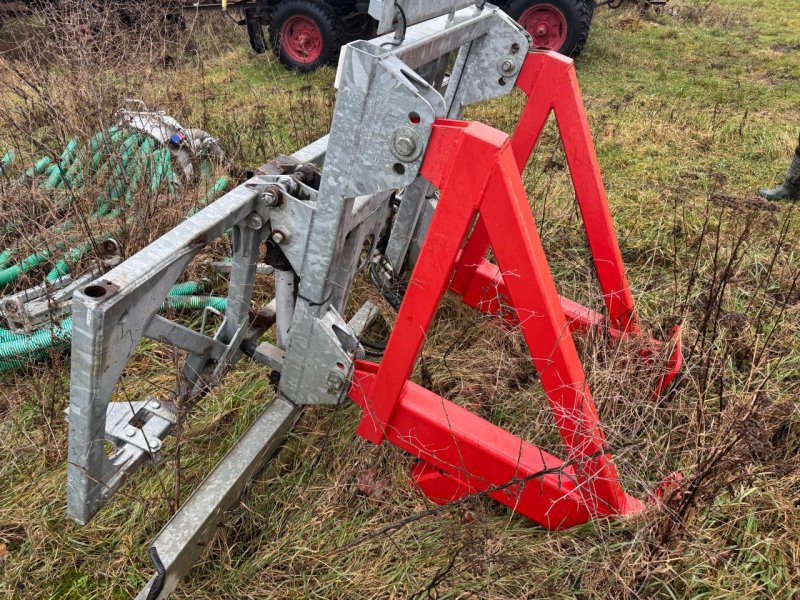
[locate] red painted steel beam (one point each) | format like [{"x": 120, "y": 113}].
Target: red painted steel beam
[
  {"x": 476, "y": 172},
  {"x": 550, "y": 82},
  {"x": 486, "y": 291},
  {"x": 476, "y": 455}
]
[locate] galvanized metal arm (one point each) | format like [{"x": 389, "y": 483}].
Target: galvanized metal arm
[{"x": 389, "y": 97}]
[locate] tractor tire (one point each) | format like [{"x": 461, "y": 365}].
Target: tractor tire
[
  {"x": 358, "y": 26},
  {"x": 305, "y": 34},
  {"x": 560, "y": 25},
  {"x": 255, "y": 31}
]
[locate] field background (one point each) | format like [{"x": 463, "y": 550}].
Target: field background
[{"x": 693, "y": 108}]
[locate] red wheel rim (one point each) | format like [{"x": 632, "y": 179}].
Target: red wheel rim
[
  {"x": 301, "y": 39},
  {"x": 547, "y": 26}
]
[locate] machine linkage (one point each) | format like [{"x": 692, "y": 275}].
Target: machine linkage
[{"x": 367, "y": 196}]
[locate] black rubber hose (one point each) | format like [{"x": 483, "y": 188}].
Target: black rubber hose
[
  {"x": 161, "y": 575},
  {"x": 392, "y": 297},
  {"x": 377, "y": 346}
]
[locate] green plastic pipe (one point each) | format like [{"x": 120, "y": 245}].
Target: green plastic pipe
[
  {"x": 195, "y": 302},
  {"x": 39, "y": 168},
  {"x": 187, "y": 288},
  {"x": 6, "y": 161},
  {"x": 41, "y": 340},
  {"x": 56, "y": 172},
  {"x": 13, "y": 272}
]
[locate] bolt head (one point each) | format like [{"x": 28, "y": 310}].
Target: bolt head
[
  {"x": 279, "y": 236},
  {"x": 508, "y": 66},
  {"x": 254, "y": 221},
  {"x": 154, "y": 444},
  {"x": 130, "y": 431},
  {"x": 270, "y": 198},
  {"x": 154, "y": 404},
  {"x": 405, "y": 145},
  {"x": 335, "y": 382}
]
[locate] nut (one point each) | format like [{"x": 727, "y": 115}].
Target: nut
[
  {"x": 254, "y": 221},
  {"x": 272, "y": 195}
]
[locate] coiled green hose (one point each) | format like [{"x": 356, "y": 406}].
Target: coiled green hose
[
  {"x": 123, "y": 159},
  {"x": 177, "y": 302},
  {"x": 18, "y": 350},
  {"x": 6, "y": 161}
]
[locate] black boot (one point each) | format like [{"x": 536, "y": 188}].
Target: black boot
[{"x": 790, "y": 188}]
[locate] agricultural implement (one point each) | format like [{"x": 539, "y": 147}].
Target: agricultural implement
[
  {"x": 306, "y": 34},
  {"x": 400, "y": 185}
]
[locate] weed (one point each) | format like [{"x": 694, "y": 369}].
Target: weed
[{"x": 692, "y": 108}]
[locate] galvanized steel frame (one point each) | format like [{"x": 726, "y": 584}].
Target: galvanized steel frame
[{"x": 389, "y": 96}]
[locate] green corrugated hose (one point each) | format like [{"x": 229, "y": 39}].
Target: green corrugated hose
[
  {"x": 124, "y": 159},
  {"x": 6, "y": 161},
  {"x": 17, "y": 350}
]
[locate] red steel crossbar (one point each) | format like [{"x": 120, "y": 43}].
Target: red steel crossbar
[{"x": 483, "y": 204}]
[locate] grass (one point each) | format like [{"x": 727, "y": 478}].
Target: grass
[{"x": 692, "y": 109}]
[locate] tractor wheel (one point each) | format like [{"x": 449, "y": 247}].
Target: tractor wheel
[
  {"x": 305, "y": 34},
  {"x": 358, "y": 26},
  {"x": 255, "y": 32},
  {"x": 560, "y": 25}
]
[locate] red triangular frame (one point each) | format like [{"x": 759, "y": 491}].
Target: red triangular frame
[{"x": 483, "y": 203}]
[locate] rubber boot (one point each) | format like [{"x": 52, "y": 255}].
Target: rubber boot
[{"x": 790, "y": 188}]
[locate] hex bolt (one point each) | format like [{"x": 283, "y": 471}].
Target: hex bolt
[
  {"x": 335, "y": 383},
  {"x": 154, "y": 444},
  {"x": 130, "y": 431},
  {"x": 404, "y": 145},
  {"x": 272, "y": 196},
  {"x": 407, "y": 144},
  {"x": 254, "y": 221},
  {"x": 508, "y": 66},
  {"x": 280, "y": 236},
  {"x": 154, "y": 404}
]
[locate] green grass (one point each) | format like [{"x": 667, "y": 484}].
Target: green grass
[{"x": 700, "y": 99}]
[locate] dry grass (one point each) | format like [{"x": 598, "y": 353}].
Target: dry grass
[{"x": 691, "y": 111}]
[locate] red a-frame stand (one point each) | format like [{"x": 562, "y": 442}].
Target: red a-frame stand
[{"x": 483, "y": 204}]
